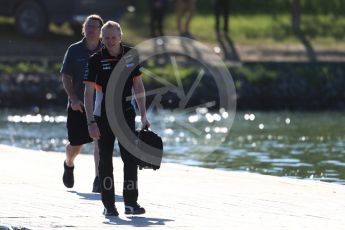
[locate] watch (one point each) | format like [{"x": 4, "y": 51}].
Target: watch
[{"x": 91, "y": 122}]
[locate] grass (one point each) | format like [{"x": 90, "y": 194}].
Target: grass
[
  {"x": 324, "y": 30},
  {"x": 167, "y": 70},
  {"x": 255, "y": 30},
  {"x": 28, "y": 67}
]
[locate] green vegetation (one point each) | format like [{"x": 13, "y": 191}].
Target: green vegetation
[
  {"x": 245, "y": 29},
  {"x": 258, "y": 85},
  {"x": 258, "y": 74},
  {"x": 250, "y": 7},
  {"x": 27, "y": 67},
  {"x": 6, "y": 20},
  {"x": 167, "y": 71},
  {"x": 258, "y": 29}
]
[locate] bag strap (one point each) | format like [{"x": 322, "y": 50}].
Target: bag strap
[{"x": 145, "y": 128}]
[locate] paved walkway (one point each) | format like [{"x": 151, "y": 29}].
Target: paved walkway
[{"x": 175, "y": 197}]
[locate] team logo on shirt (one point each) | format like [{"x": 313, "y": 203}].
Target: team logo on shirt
[
  {"x": 106, "y": 64},
  {"x": 129, "y": 59}
]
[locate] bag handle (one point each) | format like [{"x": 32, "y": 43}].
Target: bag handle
[{"x": 145, "y": 128}]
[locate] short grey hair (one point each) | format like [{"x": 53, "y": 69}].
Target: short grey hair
[{"x": 111, "y": 25}]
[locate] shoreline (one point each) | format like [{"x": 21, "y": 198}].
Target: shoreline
[
  {"x": 194, "y": 163},
  {"x": 259, "y": 86}
]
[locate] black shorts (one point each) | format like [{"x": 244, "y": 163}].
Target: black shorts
[{"x": 77, "y": 129}]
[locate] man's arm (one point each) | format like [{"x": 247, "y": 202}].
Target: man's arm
[
  {"x": 89, "y": 104},
  {"x": 140, "y": 97},
  {"x": 88, "y": 100},
  {"x": 76, "y": 104}
]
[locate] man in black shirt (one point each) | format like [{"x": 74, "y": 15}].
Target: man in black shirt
[{"x": 100, "y": 67}]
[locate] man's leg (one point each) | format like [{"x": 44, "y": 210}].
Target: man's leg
[
  {"x": 130, "y": 173},
  {"x": 217, "y": 9},
  {"x": 105, "y": 167},
  {"x": 160, "y": 18},
  {"x": 189, "y": 14},
  {"x": 179, "y": 15},
  {"x": 96, "y": 183},
  {"x": 130, "y": 180},
  {"x": 96, "y": 157},
  {"x": 71, "y": 153},
  {"x": 152, "y": 23},
  {"x": 226, "y": 16},
  {"x": 77, "y": 135},
  {"x": 130, "y": 183}
]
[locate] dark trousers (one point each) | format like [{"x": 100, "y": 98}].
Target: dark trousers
[
  {"x": 156, "y": 21},
  {"x": 221, "y": 8},
  {"x": 130, "y": 169}
]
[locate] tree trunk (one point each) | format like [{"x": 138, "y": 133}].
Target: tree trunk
[{"x": 296, "y": 15}]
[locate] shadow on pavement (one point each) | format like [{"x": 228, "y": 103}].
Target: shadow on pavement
[
  {"x": 95, "y": 196},
  {"x": 137, "y": 221}
]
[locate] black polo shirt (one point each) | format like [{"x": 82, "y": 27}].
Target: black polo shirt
[{"x": 100, "y": 67}]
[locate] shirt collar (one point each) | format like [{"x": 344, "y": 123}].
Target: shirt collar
[
  {"x": 99, "y": 46},
  {"x": 106, "y": 52}
]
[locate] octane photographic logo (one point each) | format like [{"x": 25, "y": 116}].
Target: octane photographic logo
[{"x": 191, "y": 104}]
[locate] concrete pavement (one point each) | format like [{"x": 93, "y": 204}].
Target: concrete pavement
[{"x": 33, "y": 196}]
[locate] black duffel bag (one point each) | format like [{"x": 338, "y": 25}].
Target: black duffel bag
[{"x": 150, "y": 149}]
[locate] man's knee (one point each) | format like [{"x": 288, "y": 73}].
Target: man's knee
[{"x": 73, "y": 149}]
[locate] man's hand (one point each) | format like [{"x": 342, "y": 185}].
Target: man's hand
[
  {"x": 145, "y": 123},
  {"x": 94, "y": 131},
  {"x": 77, "y": 105}
]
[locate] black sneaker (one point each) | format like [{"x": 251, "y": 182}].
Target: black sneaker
[
  {"x": 134, "y": 210},
  {"x": 68, "y": 177},
  {"x": 110, "y": 212},
  {"x": 96, "y": 188}
]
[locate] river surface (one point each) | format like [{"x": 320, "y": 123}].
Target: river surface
[{"x": 307, "y": 145}]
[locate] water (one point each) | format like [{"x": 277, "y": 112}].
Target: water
[{"x": 299, "y": 145}]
